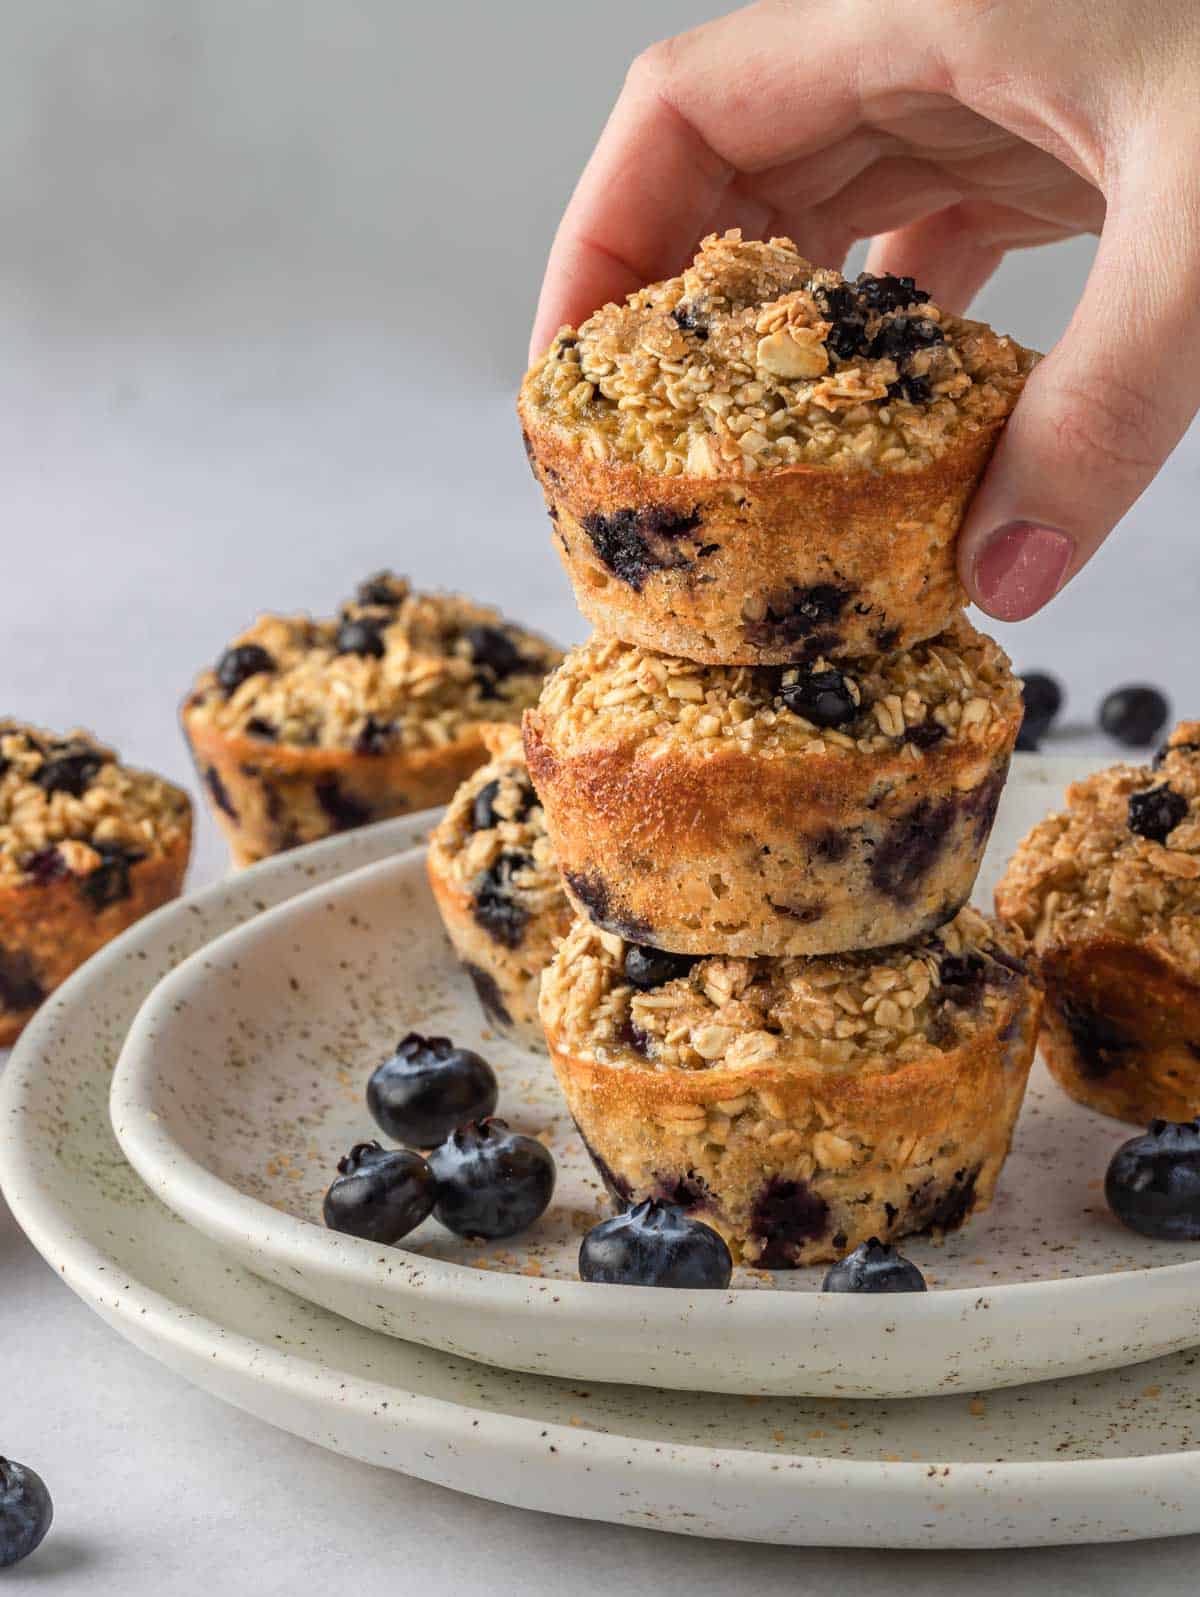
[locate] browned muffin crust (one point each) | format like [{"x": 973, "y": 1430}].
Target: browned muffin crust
[
  {"x": 497, "y": 887},
  {"x": 377, "y": 712},
  {"x": 799, "y": 1106},
  {"x": 697, "y": 808},
  {"x": 87, "y": 847},
  {"x": 759, "y": 462},
  {"x": 1108, "y": 891}
]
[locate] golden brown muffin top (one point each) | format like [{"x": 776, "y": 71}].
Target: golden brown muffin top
[
  {"x": 755, "y": 358},
  {"x": 956, "y": 688},
  {"x": 68, "y": 807},
  {"x": 395, "y": 669},
  {"x": 866, "y": 1010},
  {"x": 1122, "y": 859}
]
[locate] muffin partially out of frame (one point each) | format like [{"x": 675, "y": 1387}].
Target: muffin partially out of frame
[
  {"x": 761, "y": 462},
  {"x": 308, "y": 727},
  {"x": 87, "y": 847},
  {"x": 798, "y": 1106},
  {"x": 1108, "y": 892},
  {"x": 773, "y": 810},
  {"x": 497, "y": 887}
]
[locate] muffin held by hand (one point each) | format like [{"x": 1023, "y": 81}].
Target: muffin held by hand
[
  {"x": 497, "y": 887},
  {"x": 87, "y": 847},
  {"x": 798, "y": 1106},
  {"x": 1108, "y": 891},
  {"x": 761, "y": 462},
  {"x": 773, "y": 809},
  {"x": 307, "y": 727}
]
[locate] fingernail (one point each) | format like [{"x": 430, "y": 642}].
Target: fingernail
[{"x": 1020, "y": 568}]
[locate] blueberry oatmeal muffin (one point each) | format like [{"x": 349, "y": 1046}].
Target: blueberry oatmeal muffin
[
  {"x": 761, "y": 462},
  {"x": 1108, "y": 892},
  {"x": 773, "y": 809},
  {"x": 497, "y": 887},
  {"x": 87, "y": 847},
  {"x": 799, "y": 1106},
  {"x": 307, "y": 727}
]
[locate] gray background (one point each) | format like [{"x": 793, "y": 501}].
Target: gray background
[{"x": 266, "y": 276}]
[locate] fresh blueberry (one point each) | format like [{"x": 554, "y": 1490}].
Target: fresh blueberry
[
  {"x": 1043, "y": 699},
  {"x": 361, "y": 635},
  {"x": 239, "y": 664},
  {"x": 491, "y": 1182},
  {"x": 68, "y": 770},
  {"x": 822, "y": 697},
  {"x": 427, "y": 1087},
  {"x": 1153, "y": 1182},
  {"x": 1134, "y": 715},
  {"x": 1156, "y": 812},
  {"x": 656, "y": 1244},
  {"x": 873, "y": 1266},
  {"x": 25, "y": 1512},
  {"x": 652, "y": 967},
  {"x": 380, "y": 1194},
  {"x": 494, "y": 651}
]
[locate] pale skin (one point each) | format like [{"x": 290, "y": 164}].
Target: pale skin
[{"x": 948, "y": 132}]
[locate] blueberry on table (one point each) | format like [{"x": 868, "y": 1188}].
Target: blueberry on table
[
  {"x": 25, "y": 1512},
  {"x": 874, "y": 1266},
  {"x": 647, "y": 967},
  {"x": 1043, "y": 699},
  {"x": 491, "y": 1182},
  {"x": 380, "y": 1194},
  {"x": 1153, "y": 1182},
  {"x": 1134, "y": 715},
  {"x": 427, "y": 1087},
  {"x": 656, "y": 1244},
  {"x": 239, "y": 664}
]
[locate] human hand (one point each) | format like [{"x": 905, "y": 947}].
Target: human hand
[{"x": 949, "y": 131}]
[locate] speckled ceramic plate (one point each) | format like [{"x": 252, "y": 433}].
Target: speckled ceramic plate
[
  {"x": 1103, "y": 1457},
  {"x": 242, "y": 1081}
]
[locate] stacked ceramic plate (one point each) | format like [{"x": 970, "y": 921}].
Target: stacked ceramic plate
[{"x": 242, "y": 1024}]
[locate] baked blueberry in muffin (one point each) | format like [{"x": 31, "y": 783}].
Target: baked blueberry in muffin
[
  {"x": 497, "y": 886},
  {"x": 798, "y": 1106},
  {"x": 760, "y": 461},
  {"x": 1108, "y": 891},
  {"x": 305, "y": 727},
  {"x": 773, "y": 810},
  {"x": 87, "y": 846}
]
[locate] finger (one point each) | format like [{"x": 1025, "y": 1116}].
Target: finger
[{"x": 1101, "y": 414}]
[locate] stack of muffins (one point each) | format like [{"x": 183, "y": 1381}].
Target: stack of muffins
[{"x": 769, "y": 778}]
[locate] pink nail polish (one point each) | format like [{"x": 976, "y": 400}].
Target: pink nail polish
[{"x": 1020, "y": 568}]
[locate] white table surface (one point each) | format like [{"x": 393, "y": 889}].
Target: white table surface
[{"x": 264, "y": 285}]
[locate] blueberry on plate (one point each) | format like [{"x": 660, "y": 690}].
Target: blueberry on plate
[
  {"x": 1043, "y": 699},
  {"x": 491, "y": 1182},
  {"x": 1134, "y": 715},
  {"x": 25, "y": 1512},
  {"x": 656, "y": 1244},
  {"x": 1153, "y": 1182},
  {"x": 427, "y": 1087},
  {"x": 380, "y": 1194},
  {"x": 874, "y": 1266},
  {"x": 239, "y": 664}
]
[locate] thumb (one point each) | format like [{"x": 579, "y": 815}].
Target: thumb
[{"x": 1098, "y": 416}]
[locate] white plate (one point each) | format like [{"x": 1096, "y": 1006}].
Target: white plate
[
  {"x": 243, "y": 1078},
  {"x": 1106, "y": 1457}
]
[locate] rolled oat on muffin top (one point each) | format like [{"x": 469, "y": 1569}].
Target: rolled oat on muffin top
[
  {"x": 773, "y": 809},
  {"x": 1108, "y": 892},
  {"x": 310, "y": 726},
  {"x": 759, "y": 461}
]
